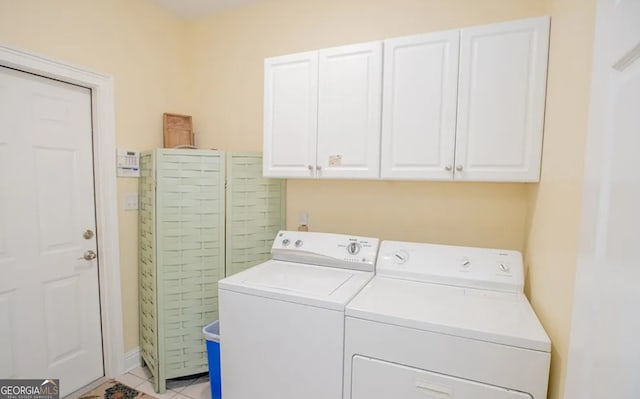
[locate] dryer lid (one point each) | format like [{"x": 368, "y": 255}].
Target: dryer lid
[{"x": 492, "y": 316}]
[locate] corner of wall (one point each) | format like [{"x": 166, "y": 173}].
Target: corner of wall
[{"x": 554, "y": 205}]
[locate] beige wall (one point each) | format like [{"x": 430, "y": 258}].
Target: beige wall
[
  {"x": 229, "y": 49},
  {"x": 555, "y": 204},
  {"x": 212, "y": 68},
  {"x": 142, "y": 47}
]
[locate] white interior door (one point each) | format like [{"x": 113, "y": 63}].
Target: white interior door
[
  {"x": 49, "y": 299},
  {"x": 604, "y": 355}
]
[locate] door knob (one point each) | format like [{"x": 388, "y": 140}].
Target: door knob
[
  {"x": 88, "y": 234},
  {"x": 89, "y": 255}
]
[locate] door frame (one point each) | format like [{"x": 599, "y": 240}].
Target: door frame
[{"x": 103, "y": 124}]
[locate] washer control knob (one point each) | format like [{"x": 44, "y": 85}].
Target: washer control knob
[
  {"x": 400, "y": 257},
  {"x": 353, "y": 248},
  {"x": 505, "y": 267},
  {"x": 285, "y": 242},
  {"x": 298, "y": 243}
]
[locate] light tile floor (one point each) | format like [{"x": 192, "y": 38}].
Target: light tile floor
[{"x": 185, "y": 388}]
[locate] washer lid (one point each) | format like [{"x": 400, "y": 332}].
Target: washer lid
[
  {"x": 321, "y": 286},
  {"x": 500, "y": 317},
  {"x": 298, "y": 278}
]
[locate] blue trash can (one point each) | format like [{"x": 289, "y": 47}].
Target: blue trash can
[{"x": 212, "y": 335}]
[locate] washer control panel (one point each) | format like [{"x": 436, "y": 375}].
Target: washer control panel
[
  {"x": 326, "y": 249},
  {"x": 483, "y": 268}
]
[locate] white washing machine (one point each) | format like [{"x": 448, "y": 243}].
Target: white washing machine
[
  {"x": 444, "y": 322},
  {"x": 282, "y": 322}
]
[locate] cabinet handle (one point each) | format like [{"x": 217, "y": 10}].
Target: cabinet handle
[
  {"x": 459, "y": 168},
  {"x": 448, "y": 168}
]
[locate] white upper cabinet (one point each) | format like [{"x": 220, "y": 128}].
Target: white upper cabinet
[
  {"x": 350, "y": 89},
  {"x": 464, "y": 105},
  {"x": 290, "y": 115},
  {"x": 419, "y": 106},
  {"x": 322, "y": 113},
  {"x": 501, "y": 98}
]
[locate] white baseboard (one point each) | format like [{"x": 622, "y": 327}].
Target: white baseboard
[{"x": 132, "y": 359}]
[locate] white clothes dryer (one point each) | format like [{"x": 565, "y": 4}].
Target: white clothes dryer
[
  {"x": 444, "y": 322},
  {"x": 282, "y": 322}
]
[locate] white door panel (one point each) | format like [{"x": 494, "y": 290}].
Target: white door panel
[
  {"x": 7, "y": 293},
  {"x": 604, "y": 353},
  {"x": 49, "y": 294},
  {"x": 501, "y": 100},
  {"x": 419, "y": 106},
  {"x": 7, "y": 335},
  {"x": 350, "y": 84},
  {"x": 376, "y": 379},
  {"x": 290, "y": 115}
]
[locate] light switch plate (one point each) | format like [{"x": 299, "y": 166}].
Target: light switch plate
[{"x": 130, "y": 202}]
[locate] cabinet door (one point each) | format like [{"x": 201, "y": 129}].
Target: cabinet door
[
  {"x": 349, "y": 111},
  {"x": 501, "y": 101},
  {"x": 290, "y": 115},
  {"x": 419, "y": 106}
]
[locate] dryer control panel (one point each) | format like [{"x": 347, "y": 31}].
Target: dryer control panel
[
  {"x": 483, "y": 268},
  {"x": 326, "y": 249}
]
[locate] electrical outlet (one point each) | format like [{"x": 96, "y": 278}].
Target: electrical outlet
[{"x": 130, "y": 202}]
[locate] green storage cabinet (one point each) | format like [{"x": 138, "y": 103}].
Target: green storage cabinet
[
  {"x": 255, "y": 211},
  {"x": 181, "y": 257}
]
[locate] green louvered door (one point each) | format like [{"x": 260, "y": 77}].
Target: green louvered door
[
  {"x": 148, "y": 317},
  {"x": 255, "y": 211},
  {"x": 188, "y": 246}
]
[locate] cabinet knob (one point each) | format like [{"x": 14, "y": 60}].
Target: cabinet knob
[
  {"x": 459, "y": 168},
  {"x": 448, "y": 168},
  {"x": 318, "y": 167},
  {"x": 310, "y": 167}
]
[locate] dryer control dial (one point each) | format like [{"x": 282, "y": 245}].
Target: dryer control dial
[
  {"x": 353, "y": 248},
  {"x": 400, "y": 257}
]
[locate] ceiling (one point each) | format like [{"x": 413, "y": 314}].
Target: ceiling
[{"x": 198, "y": 8}]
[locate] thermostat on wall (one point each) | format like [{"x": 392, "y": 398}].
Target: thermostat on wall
[{"x": 128, "y": 163}]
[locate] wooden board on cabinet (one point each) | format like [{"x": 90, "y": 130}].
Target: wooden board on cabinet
[{"x": 177, "y": 130}]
